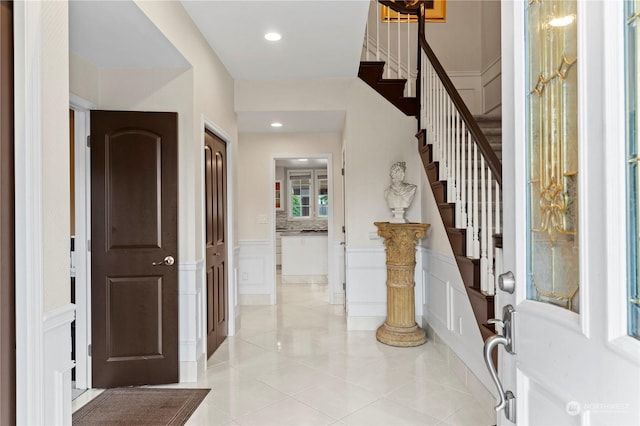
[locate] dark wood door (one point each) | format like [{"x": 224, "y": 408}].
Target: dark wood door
[
  {"x": 215, "y": 166},
  {"x": 7, "y": 206},
  {"x": 134, "y": 248}
]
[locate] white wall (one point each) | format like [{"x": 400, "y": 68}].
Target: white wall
[{"x": 376, "y": 135}]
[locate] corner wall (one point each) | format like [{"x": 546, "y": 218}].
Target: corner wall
[{"x": 377, "y": 135}]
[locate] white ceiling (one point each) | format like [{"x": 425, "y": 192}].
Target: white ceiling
[
  {"x": 117, "y": 34},
  {"x": 302, "y": 163},
  {"x": 320, "y": 39},
  {"x": 292, "y": 121}
]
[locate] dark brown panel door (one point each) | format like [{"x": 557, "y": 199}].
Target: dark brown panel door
[
  {"x": 134, "y": 248},
  {"x": 7, "y": 206},
  {"x": 215, "y": 166}
]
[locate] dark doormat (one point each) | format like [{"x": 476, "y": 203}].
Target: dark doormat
[{"x": 140, "y": 406}]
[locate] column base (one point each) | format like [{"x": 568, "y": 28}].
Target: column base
[{"x": 401, "y": 336}]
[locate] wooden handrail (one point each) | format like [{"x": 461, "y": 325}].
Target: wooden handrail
[{"x": 489, "y": 155}]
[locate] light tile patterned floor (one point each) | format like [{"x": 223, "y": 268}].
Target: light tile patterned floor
[{"x": 296, "y": 364}]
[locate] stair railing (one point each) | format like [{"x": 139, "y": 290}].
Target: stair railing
[
  {"x": 393, "y": 43},
  {"x": 466, "y": 160}
]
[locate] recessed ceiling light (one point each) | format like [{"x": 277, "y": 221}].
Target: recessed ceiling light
[
  {"x": 276, "y": 124},
  {"x": 303, "y": 159},
  {"x": 272, "y": 36}
]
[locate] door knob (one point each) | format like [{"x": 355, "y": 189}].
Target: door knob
[
  {"x": 168, "y": 260},
  {"x": 507, "y": 282}
]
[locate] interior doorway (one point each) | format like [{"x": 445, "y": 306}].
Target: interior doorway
[{"x": 302, "y": 213}]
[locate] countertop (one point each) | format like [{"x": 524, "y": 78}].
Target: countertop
[{"x": 304, "y": 233}]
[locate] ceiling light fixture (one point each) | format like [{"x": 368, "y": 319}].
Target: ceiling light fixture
[
  {"x": 562, "y": 21},
  {"x": 276, "y": 124},
  {"x": 272, "y": 36}
]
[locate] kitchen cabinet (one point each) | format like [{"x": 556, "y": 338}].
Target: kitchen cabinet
[
  {"x": 278, "y": 248},
  {"x": 304, "y": 257}
]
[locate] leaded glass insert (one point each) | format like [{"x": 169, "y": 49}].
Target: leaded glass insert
[
  {"x": 632, "y": 58},
  {"x": 552, "y": 137}
]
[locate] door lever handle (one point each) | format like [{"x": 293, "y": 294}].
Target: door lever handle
[
  {"x": 489, "y": 344},
  {"x": 506, "y": 400},
  {"x": 168, "y": 260},
  {"x": 496, "y": 321}
]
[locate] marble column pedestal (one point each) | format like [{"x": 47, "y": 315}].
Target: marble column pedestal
[{"x": 400, "y": 328}]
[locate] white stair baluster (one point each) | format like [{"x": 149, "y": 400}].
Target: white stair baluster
[
  {"x": 483, "y": 225},
  {"x": 377, "y": 30},
  {"x": 409, "y": 56},
  {"x": 491, "y": 209},
  {"x": 461, "y": 213},
  {"x": 470, "y": 205},
  {"x": 474, "y": 207},
  {"x": 399, "y": 52}
]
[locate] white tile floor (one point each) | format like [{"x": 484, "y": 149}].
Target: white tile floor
[{"x": 296, "y": 364}]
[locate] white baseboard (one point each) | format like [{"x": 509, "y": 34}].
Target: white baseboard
[
  {"x": 191, "y": 311},
  {"x": 364, "y": 323}
]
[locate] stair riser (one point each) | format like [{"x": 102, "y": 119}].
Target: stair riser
[
  {"x": 448, "y": 213},
  {"x": 470, "y": 277},
  {"x": 439, "y": 191},
  {"x": 483, "y": 307},
  {"x": 458, "y": 241}
]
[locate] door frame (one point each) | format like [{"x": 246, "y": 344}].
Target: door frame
[
  {"x": 331, "y": 273},
  {"x": 7, "y": 224},
  {"x": 232, "y": 249},
  {"x": 81, "y": 109}
]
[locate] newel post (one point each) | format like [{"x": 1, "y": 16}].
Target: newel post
[{"x": 400, "y": 239}]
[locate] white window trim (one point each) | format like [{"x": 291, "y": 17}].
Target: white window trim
[
  {"x": 316, "y": 180},
  {"x": 297, "y": 172}
]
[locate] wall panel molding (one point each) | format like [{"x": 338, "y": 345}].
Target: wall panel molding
[
  {"x": 57, "y": 364},
  {"x": 191, "y": 330}
]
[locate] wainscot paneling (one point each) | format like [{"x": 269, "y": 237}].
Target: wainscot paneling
[
  {"x": 366, "y": 287},
  {"x": 492, "y": 87},
  {"x": 336, "y": 273},
  {"x": 256, "y": 273},
  {"x": 57, "y": 365},
  {"x": 469, "y": 85},
  {"x": 191, "y": 300},
  {"x": 449, "y": 314}
]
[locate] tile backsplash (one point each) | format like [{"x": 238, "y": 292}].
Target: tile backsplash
[{"x": 282, "y": 222}]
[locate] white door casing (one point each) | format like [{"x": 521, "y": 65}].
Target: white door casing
[{"x": 571, "y": 368}]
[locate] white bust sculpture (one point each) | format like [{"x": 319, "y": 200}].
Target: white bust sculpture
[{"x": 399, "y": 194}]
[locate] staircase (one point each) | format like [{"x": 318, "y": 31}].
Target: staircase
[
  {"x": 481, "y": 303},
  {"x": 461, "y": 153},
  {"x": 371, "y": 72},
  {"x": 392, "y": 89}
]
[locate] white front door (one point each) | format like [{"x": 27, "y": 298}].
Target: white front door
[{"x": 564, "y": 214}]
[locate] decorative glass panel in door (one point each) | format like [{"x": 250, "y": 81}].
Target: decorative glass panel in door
[
  {"x": 632, "y": 57},
  {"x": 552, "y": 136}
]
